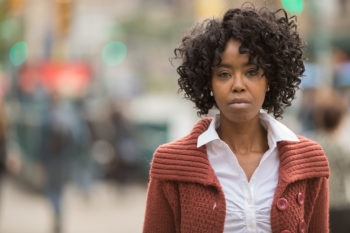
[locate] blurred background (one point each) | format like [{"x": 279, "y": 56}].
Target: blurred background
[{"x": 87, "y": 93}]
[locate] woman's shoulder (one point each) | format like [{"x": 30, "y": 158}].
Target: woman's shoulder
[
  {"x": 303, "y": 142},
  {"x": 189, "y": 141},
  {"x": 182, "y": 159},
  {"x": 303, "y": 159},
  {"x": 336, "y": 152},
  {"x": 182, "y": 147}
]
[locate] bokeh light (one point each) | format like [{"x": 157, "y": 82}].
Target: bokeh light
[
  {"x": 19, "y": 53},
  {"x": 114, "y": 53},
  {"x": 293, "y": 6}
]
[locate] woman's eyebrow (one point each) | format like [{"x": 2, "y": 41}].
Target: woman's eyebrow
[
  {"x": 223, "y": 65},
  {"x": 249, "y": 64}
]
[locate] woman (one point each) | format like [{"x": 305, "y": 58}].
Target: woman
[{"x": 242, "y": 171}]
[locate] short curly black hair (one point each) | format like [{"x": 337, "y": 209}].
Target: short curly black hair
[{"x": 269, "y": 37}]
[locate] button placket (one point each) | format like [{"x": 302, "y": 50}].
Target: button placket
[
  {"x": 250, "y": 208},
  {"x": 250, "y": 191}
]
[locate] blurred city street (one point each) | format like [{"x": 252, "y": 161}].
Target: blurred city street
[
  {"x": 107, "y": 209},
  {"x": 90, "y": 89}
]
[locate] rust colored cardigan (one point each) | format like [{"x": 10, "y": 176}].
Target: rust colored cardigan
[{"x": 184, "y": 194}]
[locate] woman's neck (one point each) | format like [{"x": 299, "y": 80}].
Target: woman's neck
[{"x": 243, "y": 138}]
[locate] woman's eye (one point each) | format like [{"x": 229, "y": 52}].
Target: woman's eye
[
  {"x": 252, "y": 72},
  {"x": 224, "y": 74}
]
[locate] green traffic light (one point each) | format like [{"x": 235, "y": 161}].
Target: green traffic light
[
  {"x": 293, "y": 6},
  {"x": 114, "y": 53},
  {"x": 18, "y": 53}
]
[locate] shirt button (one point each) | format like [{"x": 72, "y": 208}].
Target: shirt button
[
  {"x": 282, "y": 204},
  {"x": 285, "y": 231},
  {"x": 251, "y": 224},
  {"x": 250, "y": 201},
  {"x": 302, "y": 226},
  {"x": 300, "y": 198}
]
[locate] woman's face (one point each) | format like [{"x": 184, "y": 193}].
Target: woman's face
[{"x": 239, "y": 87}]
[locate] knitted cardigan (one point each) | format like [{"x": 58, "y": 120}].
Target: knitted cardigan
[{"x": 184, "y": 194}]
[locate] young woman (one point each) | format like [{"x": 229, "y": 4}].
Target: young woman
[{"x": 241, "y": 171}]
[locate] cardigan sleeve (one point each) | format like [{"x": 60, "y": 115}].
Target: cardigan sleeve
[
  {"x": 320, "y": 216},
  {"x": 158, "y": 217}
]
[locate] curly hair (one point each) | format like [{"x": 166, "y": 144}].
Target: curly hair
[{"x": 269, "y": 37}]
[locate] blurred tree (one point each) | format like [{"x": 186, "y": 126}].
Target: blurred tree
[
  {"x": 143, "y": 27},
  {"x": 10, "y": 27},
  {"x": 159, "y": 33}
]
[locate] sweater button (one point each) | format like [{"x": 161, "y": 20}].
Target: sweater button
[
  {"x": 285, "y": 231},
  {"x": 302, "y": 226},
  {"x": 282, "y": 204},
  {"x": 300, "y": 198}
]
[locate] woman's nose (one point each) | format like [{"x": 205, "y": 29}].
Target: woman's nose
[{"x": 238, "y": 83}]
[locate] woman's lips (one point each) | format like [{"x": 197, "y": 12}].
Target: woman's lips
[{"x": 239, "y": 103}]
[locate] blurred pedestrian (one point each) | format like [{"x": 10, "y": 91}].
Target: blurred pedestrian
[
  {"x": 329, "y": 111},
  {"x": 2, "y": 145},
  {"x": 82, "y": 169},
  {"x": 242, "y": 171},
  {"x": 56, "y": 155}
]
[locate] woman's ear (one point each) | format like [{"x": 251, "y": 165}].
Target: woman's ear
[
  {"x": 210, "y": 89},
  {"x": 267, "y": 86}
]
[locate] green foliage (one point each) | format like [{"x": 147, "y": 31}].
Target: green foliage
[
  {"x": 11, "y": 31},
  {"x": 142, "y": 27}
]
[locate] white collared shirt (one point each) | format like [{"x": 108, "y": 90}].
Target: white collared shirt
[{"x": 248, "y": 204}]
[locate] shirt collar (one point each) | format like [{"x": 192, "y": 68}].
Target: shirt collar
[
  {"x": 276, "y": 130},
  {"x": 210, "y": 134}
]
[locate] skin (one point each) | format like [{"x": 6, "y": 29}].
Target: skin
[{"x": 239, "y": 90}]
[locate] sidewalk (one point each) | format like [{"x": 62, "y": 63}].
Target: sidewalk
[{"x": 108, "y": 209}]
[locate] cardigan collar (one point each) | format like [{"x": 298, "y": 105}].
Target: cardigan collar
[{"x": 183, "y": 161}]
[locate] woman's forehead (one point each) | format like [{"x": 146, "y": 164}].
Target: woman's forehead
[{"x": 232, "y": 53}]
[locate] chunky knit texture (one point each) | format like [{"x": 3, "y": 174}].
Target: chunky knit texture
[{"x": 184, "y": 194}]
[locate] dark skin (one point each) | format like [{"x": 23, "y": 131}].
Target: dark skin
[{"x": 239, "y": 90}]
